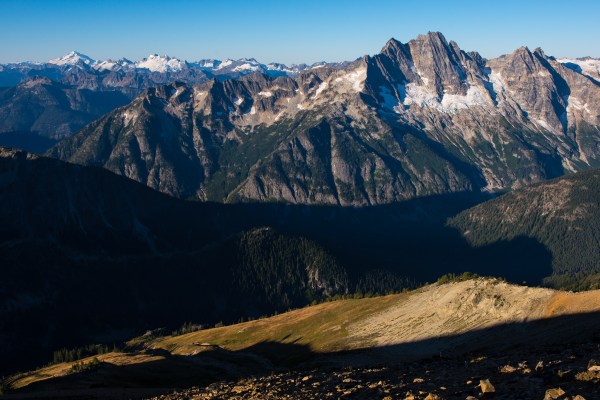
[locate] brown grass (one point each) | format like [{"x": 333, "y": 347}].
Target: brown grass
[{"x": 322, "y": 328}]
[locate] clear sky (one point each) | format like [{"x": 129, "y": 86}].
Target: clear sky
[{"x": 290, "y": 31}]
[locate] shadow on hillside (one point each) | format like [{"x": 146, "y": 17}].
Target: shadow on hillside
[
  {"x": 105, "y": 273},
  {"x": 172, "y": 371},
  {"x": 409, "y": 238}
]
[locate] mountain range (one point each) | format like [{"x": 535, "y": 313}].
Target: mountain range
[
  {"x": 43, "y": 102},
  {"x": 71, "y": 233},
  {"x": 84, "y": 72},
  {"x": 417, "y": 119},
  {"x": 235, "y": 189}
]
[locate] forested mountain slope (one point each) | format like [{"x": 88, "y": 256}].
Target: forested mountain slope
[{"x": 562, "y": 214}]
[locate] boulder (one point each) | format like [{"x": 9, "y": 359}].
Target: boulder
[{"x": 486, "y": 386}]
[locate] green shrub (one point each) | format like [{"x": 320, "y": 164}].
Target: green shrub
[
  {"x": 80, "y": 366},
  {"x": 448, "y": 278},
  {"x": 77, "y": 353}
]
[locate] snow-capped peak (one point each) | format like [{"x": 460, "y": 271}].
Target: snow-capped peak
[
  {"x": 166, "y": 64},
  {"x": 225, "y": 64},
  {"x": 110, "y": 65},
  {"x": 72, "y": 58},
  {"x": 157, "y": 63}
]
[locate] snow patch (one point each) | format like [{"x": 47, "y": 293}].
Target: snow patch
[
  {"x": 225, "y": 64},
  {"x": 450, "y": 103},
  {"x": 587, "y": 66},
  {"x": 238, "y": 101},
  {"x": 265, "y": 94},
  {"x": 207, "y": 63},
  {"x": 127, "y": 118},
  {"x": 104, "y": 65},
  {"x": 474, "y": 97},
  {"x": 156, "y": 63},
  {"x": 356, "y": 78},
  {"x": 322, "y": 86},
  {"x": 247, "y": 67},
  {"x": 497, "y": 82}
]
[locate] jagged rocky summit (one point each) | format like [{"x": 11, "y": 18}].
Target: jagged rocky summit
[{"x": 417, "y": 119}]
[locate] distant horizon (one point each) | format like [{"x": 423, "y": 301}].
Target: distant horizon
[
  {"x": 288, "y": 33},
  {"x": 84, "y": 53}
]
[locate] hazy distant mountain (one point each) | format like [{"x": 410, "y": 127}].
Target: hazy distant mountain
[
  {"x": 78, "y": 69},
  {"x": 417, "y": 119},
  {"x": 53, "y": 110},
  {"x": 33, "y": 119}
]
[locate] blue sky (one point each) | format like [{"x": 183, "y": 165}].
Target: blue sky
[{"x": 288, "y": 31}]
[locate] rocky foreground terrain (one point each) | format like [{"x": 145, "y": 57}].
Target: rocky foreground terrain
[
  {"x": 474, "y": 338},
  {"x": 558, "y": 372}
]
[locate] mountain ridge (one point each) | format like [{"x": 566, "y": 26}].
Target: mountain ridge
[{"x": 417, "y": 119}]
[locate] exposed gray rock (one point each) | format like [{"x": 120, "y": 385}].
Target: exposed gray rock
[{"x": 418, "y": 119}]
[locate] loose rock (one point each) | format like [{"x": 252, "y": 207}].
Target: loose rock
[{"x": 486, "y": 386}]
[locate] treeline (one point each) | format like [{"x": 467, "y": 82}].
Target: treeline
[
  {"x": 291, "y": 272},
  {"x": 77, "y": 353},
  {"x": 450, "y": 278},
  {"x": 381, "y": 282},
  {"x": 284, "y": 270}
]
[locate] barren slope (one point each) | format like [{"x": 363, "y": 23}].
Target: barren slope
[
  {"x": 482, "y": 315},
  {"x": 452, "y": 311}
]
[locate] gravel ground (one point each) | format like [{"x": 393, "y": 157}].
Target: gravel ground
[{"x": 555, "y": 373}]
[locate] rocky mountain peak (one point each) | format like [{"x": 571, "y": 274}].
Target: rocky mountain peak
[
  {"x": 432, "y": 37},
  {"x": 392, "y": 46},
  {"x": 522, "y": 53},
  {"x": 439, "y": 64},
  {"x": 540, "y": 52},
  {"x": 416, "y": 119}
]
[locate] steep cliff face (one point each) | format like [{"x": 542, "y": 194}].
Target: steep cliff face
[{"x": 421, "y": 118}]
